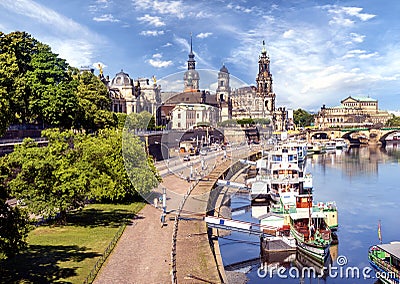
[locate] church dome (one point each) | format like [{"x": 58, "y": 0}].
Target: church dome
[
  {"x": 121, "y": 79},
  {"x": 224, "y": 69}
]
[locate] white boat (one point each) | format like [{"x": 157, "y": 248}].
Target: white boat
[
  {"x": 315, "y": 148},
  {"x": 299, "y": 146},
  {"x": 286, "y": 177},
  {"x": 330, "y": 145},
  {"x": 341, "y": 143}
]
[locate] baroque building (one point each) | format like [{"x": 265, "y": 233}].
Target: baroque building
[
  {"x": 135, "y": 96},
  {"x": 193, "y": 106},
  {"x": 353, "y": 112},
  {"x": 256, "y": 101}
]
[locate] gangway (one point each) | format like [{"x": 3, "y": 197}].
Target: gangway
[{"x": 240, "y": 226}]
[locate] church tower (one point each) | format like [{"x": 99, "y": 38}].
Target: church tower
[
  {"x": 223, "y": 90},
  {"x": 191, "y": 77},
  {"x": 223, "y": 93},
  {"x": 264, "y": 84}
]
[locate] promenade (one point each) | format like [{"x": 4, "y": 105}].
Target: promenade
[{"x": 143, "y": 253}]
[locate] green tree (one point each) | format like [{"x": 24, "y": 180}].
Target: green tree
[
  {"x": 93, "y": 103},
  {"x": 17, "y": 49},
  {"x": 53, "y": 100},
  {"x": 302, "y": 118},
  {"x": 394, "y": 121},
  {"x": 13, "y": 222},
  {"x": 76, "y": 167},
  {"x": 44, "y": 178}
]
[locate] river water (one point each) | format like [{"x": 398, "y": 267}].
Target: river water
[{"x": 364, "y": 183}]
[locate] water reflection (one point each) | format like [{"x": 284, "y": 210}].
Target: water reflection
[{"x": 364, "y": 183}]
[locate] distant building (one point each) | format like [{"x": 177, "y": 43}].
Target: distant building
[
  {"x": 353, "y": 112},
  {"x": 188, "y": 116},
  {"x": 184, "y": 110},
  {"x": 135, "y": 96}
]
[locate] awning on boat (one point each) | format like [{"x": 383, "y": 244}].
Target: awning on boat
[{"x": 392, "y": 248}]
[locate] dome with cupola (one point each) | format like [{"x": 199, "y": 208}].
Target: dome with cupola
[{"x": 122, "y": 79}]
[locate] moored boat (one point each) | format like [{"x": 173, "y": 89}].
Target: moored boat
[
  {"x": 312, "y": 234},
  {"x": 385, "y": 259}
]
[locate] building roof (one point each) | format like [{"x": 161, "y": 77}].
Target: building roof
[
  {"x": 121, "y": 79},
  {"x": 223, "y": 69},
  {"x": 360, "y": 99},
  {"x": 192, "y": 98},
  {"x": 392, "y": 248}
]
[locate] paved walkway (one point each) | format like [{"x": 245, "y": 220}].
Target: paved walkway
[{"x": 143, "y": 253}]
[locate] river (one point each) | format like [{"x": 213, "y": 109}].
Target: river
[{"x": 364, "y": 183}]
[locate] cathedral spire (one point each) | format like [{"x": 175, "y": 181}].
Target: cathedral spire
[{"x": 191, "y": 61}]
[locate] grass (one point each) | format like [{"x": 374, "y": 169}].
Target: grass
[{"x": 67, "y": 253}]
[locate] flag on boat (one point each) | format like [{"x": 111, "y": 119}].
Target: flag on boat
[{"x": 379, "y": 231}]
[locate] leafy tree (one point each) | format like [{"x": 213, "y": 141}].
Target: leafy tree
[
  {"x": 245, "y": 121},
  {"x": 76, "y": 167},
  {"x": 394, "y": 121},
  {"x": 93, "y": 103},
  {"x": 302, "y": 118},
  {"x": 152, "y": 123},
  {"x": 44, "y": 178},
  {"x": 17, "y": 49},
  {"x": 53, "y": 99},
  {"x": 13, "y": 222}
]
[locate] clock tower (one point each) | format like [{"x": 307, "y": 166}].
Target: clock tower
[{"x": 264, "y": 84}]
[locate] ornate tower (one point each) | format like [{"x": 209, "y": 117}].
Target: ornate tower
[
  {"x": 223, "y": 93},
  {"x": 191, "y": 77},
  {"x": 223, "y": 90},
  {"x": 264, "y": 84}
]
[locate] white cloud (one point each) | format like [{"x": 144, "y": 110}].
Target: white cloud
[
  {"x": 203, "y": 35},
  {"x": 159, "y": 63},
  {"x": 288, "y": 34},
  {"x": 151, "y": 33},
  {"x": 157, "y": 55},
  {"x": 151, "y": 20},
  {"x": 105, "y": 18},
  {"x": 173, "y": 8},
  {"x": 356, "y": 12},
  {"x": 167, "y": 44},
  {"x": 71, "y": 40},
  {"x": 357, "y": 37},
  {"x": 369, "y": 55},
  {"x": 341, "y": 14}
]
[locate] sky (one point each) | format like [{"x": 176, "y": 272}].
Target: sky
[{"x": 321, "y": 51}]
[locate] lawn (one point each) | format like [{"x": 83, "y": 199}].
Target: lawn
[{"x": 66, "y": 254}]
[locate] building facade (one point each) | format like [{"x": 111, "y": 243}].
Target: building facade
[
  {"x": 188, "y": 116},
  {"x": 353, "y": 112},
  {"x": 134, "y": 96}
]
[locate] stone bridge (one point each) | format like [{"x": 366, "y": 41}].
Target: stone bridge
[{"x": 355, "y": 135}]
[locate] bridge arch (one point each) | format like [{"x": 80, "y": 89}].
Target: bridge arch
[{"x": 389, "y": 133}]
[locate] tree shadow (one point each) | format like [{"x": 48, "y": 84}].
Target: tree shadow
[
  {"x": 98, "y": 217},
  {"x": 39, "y": 264}
]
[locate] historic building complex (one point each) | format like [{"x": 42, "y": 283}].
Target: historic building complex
[
  {"x": 193, "y": 106},
  {"x": 353, "y": 112}
]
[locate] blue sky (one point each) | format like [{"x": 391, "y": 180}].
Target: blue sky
[{"x": 321, "y": 51}]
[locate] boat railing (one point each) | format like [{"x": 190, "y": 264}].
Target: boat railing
[{"x": 384, "y": 264}]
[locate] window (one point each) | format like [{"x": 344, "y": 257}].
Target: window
[
  {"x": 179, "y": 124},
  {"x": 179, "y": 115},
  {"x": 221, "y": 83},
  {"x": 198, "y": 116}
]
